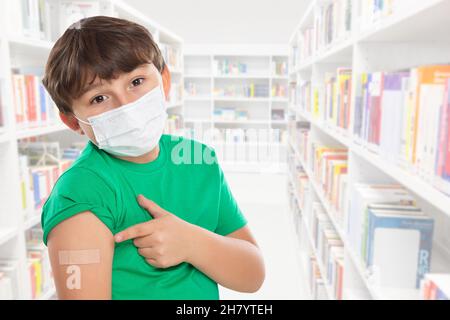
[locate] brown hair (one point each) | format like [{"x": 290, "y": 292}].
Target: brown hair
[{"x": 94, "y": 47}]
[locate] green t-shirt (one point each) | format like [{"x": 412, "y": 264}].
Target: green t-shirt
[{"x": 181, "y": 180}]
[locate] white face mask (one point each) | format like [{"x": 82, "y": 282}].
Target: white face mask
[{"x": 134, "y": 129}]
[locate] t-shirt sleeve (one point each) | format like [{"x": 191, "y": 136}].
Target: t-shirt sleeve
[
  {"x": 231, "y": 217},
  {"x": 78, "y": 190}
]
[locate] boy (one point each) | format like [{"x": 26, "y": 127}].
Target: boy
[{"x": 129, "y": 220}]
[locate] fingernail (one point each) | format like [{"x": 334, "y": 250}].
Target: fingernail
[{"x": 118, "y": 238}]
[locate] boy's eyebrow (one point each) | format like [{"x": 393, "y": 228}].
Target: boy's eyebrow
[
  {"x": 90, "y": 87},
  {"x": 100, "y": 84}
]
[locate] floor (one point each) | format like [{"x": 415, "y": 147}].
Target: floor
[{"x": 263, "y": 199}]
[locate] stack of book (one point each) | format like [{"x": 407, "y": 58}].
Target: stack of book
[
  {"x": 33, "y": 106},
  {"x": 373, "y": 11},
  {"x": 2, "y": 121},
  {"x": 230, "y": 114},
  {"x": 278, "y": 114},
  {"x": 250, "y": 145},
  {"x": 38, "y": 263},
  {"x": 175, "y": 94},
  {"x": 299, "y": 133},
  {"x": 229, "y": 67},
  {"x": 306, "y": 44},
  {"x": 436, "y": 287},
  {"x": 279, "y": 90},
  {"x": 174, "y": 125},
  {"x": 404, "y": 117},
  {"x": 336, "y": 109},
  {"x": 329, "y": 248},
  {"x": 31, "y": 18},
  {"x": 279, "y": 68},
  {"x": 332, "y": 23},
  {"x": 172, "y": 56},
  {"x": 250, "y": 90},
  {"x": 304, "y": 97},
  {"x": 390, "y": 234},
  {"x": 317, "y": 284},
  {"x": 41, "y": 164},
  {"x": 330, "y": 166},
  {"x": 294, "y": 57},
  {"x": 47, "y": 19}
]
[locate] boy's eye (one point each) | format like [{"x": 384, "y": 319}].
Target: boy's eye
[
  {"x": 137, "y": 82},
  {"x": 98, "y": 99}
]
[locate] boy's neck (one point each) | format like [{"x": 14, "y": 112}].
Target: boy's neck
[{"x": 146, "y": 158}]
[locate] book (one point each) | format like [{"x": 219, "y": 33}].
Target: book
[
  {"x": 356, "y": 218},
  {"x": 399, "y": 247},
  {"x": 442, "y": 178},
  {"x": 429, "y": 83},
  {"x": 436, "y": 287},
  {"x": 38, "y": 263},
  {"x": 392, "y": 114},
  {"x": 73, "y": 11},
  {"x": 33, "y": 106}
]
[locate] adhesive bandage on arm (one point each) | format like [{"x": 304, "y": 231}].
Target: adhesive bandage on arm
[{"x": 79, "y": 257}]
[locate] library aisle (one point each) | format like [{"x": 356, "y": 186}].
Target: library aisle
[{"x": 267, "y": 210}]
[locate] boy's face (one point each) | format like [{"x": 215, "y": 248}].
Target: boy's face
[{"x": 102, "y": 96}]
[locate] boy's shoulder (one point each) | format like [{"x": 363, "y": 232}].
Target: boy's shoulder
[{"x": 88, "y": 167}]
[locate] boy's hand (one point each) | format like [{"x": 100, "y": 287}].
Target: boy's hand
[{"x": 164, "y": 241}]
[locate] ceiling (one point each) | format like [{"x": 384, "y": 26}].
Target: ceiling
[{"x": 226, "y": 21}]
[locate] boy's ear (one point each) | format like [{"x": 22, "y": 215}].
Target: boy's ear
[
  {"x": 166, "y": 79},
  {"x": 70, "y": 121}
]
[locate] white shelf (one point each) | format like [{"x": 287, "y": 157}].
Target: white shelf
[
  {"x": 48, "y": 294},
  {"x": 18, "y": 51},
  {"x": 242, "y": 76},
  {"x": 32, "y": 220},
  {"x": 175, "y": 105},
  {"x": 7, "y": 234},
  {"x": 242, "y": 122},
  {"x": 198, "y": 98},
  {"x": 376, "y": 293},
  {"x": 242, "y": 99},
  {"x": 30, "y": 43},
  {"x": 412, "y": 182},
  {"x": 429, "y": 21},
  {"x": 279, "y": 122},
  {"x": 5, "y": 136},
  {"x": 279, "y": 77},
  {"x": 197, "y": 76},
  {"x": 175, "y": 71},
  {"x": 276, "y": 99},
  {"x": 39, "y": 131},
  {"x": 197, "y": 120}
]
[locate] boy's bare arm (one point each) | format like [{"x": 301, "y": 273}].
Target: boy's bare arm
[
  {"x": 233, "y": 261},
  {"x": 81, "y": 250}
]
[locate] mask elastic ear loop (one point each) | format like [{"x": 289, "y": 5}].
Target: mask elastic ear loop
[{"x": 82, "y": 121}]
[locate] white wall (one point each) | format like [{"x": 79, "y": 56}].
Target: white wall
[{"x": 226, "y": 21}]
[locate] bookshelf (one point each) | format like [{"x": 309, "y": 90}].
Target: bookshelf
[
  {"x": 20, "y": 49},
  {"x": 406, "y": 35},
  {"x": 235, "y": 87}
]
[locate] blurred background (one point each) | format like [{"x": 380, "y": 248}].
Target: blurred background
[{"x": 329, "y": 118}]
